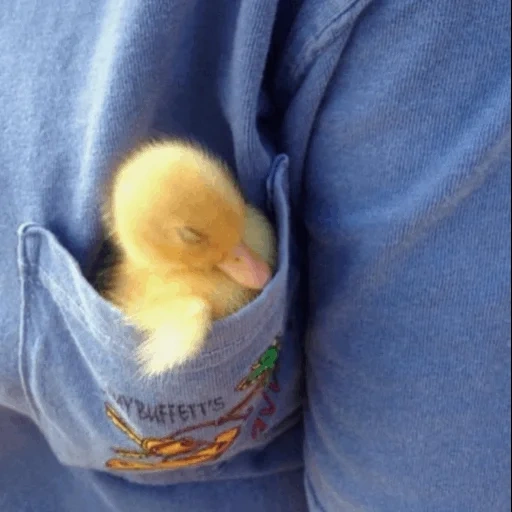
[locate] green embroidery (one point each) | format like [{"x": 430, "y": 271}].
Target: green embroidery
[{"x": 263, "y": 369}]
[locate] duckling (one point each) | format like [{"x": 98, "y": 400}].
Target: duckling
[{"x": 190, "y": 249}]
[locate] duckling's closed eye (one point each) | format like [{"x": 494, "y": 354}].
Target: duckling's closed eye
[{"x": 191, "y": 236}]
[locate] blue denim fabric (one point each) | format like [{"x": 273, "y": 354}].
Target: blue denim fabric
[{"x": 376, "y": 135}]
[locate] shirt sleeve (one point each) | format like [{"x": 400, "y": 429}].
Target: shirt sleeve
[{"x": 407, "y": 213}]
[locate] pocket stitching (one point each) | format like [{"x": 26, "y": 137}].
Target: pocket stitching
[
  {"x": 218, "y": 354},
  {"x": 23, "y": 363},
  {"x": 71, "y": 306}
]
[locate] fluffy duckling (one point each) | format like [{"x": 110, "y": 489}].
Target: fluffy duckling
[{"x": 191, "y": 251}]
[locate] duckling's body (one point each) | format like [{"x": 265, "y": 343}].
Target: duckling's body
[{"x": 191, "y": 250}]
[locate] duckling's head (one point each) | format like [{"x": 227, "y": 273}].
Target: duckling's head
[{"x": 175, "y": 207}]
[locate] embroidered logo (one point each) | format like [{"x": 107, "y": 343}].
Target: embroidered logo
[{"x": 181, "y": 448}]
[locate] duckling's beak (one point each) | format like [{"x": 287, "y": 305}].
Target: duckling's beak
[{"x": 246, "y": 268}]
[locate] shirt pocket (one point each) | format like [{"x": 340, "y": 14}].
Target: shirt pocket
[{"x": 87, "y": 396}]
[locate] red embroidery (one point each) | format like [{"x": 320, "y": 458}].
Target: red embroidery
[{"x": 259, "y": 426}]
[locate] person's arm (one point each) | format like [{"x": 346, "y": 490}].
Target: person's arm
[{"x": 407, "y": 212}]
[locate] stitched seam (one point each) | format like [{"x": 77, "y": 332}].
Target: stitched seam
[
  {"x": 318, "y": 43},
  {"x": 22, "y": 363}
]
